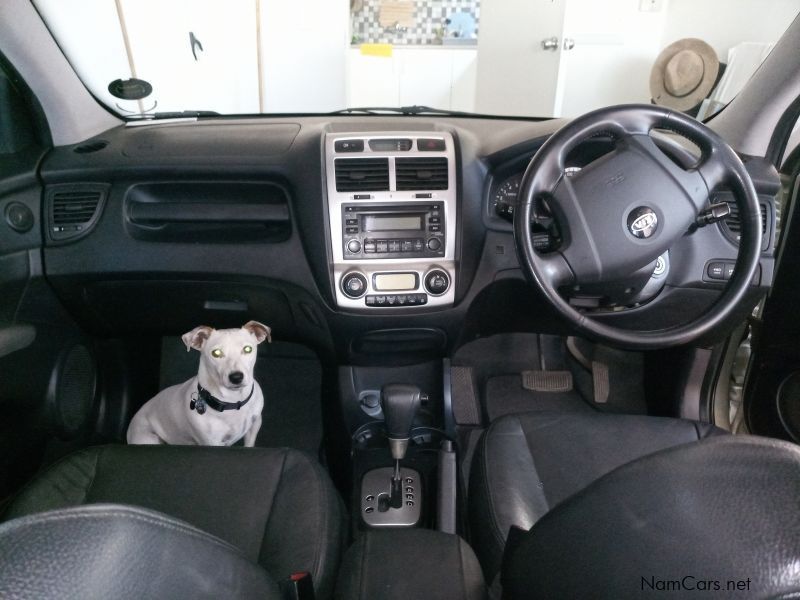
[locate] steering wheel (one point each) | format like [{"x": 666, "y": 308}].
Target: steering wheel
[{"x": 624, "y": 210}]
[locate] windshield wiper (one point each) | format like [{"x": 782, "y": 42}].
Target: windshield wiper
[
  {"x": 416, "y": 109},
  {"x": 177, "y": 114}
]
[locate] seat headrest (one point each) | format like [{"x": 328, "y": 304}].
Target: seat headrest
[
  {"x": 116, "y": 551},
  {"x": 720, "y": 515}
]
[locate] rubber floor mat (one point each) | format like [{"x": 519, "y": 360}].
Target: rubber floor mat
[{"x": 506, "y": 395}]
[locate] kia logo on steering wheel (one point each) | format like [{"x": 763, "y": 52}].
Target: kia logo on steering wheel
[{"x": 642, "y": 222}]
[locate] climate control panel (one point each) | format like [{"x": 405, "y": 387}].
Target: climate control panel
[{"x": 393, "y": 289}]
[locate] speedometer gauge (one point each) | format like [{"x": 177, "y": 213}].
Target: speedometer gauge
[{"x": 505, "y": 196}]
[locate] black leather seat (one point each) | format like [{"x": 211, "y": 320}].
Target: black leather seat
[
  {"x": 527, "y": 463},
  {"x": 714, "y": 519},
  {"x": 277, "y": 506},
  {"x": 122, "y": 552}
]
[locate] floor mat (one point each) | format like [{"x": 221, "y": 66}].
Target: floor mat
[
  {"x": 290, "y": 376},
  {"x": 624, "y": 376},
  {"x": 506, "y": 395}
]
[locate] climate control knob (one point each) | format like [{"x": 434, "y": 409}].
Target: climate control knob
[
  {"x": 354, "y": 285},
  {"x": 436, "y": 282}
]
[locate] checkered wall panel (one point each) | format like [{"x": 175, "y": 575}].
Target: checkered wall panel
[{"x": 430, "y": 22}]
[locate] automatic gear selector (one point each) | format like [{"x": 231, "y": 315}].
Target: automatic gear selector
[{"x": 390, "y": 497}]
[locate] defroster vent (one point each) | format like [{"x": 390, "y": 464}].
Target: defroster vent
[
  {"x": 421, "y": 173},
  {"x": 73, "y": 209},
  {"x": 362, "y": 174}
]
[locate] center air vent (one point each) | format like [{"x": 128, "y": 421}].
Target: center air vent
[
  {"x": 72, "y": 210},
  {"x": 421, "y": 173},
  {"x": 362, "y": 174}
]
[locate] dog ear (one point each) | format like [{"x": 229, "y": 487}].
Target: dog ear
[
  {"x": 261, "y": 331},
  {"x": 196, "y": 337}
]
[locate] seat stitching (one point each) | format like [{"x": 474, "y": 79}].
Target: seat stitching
[
  {"x": 197, "y": 533},
  {"x": 461, "y": 571},
  {"x": 272, "y": 505},
  {"x": 32, "y": 483},
  {"x": 536, "y": 471},
  {"x": 318, "y": 549},
  {"x": 496, "y": 530},
  {"x": 94, "y": 473},
  {"x": 363, "y": 568}
]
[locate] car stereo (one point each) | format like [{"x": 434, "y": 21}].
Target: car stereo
[{"x": 393, "y": 231}]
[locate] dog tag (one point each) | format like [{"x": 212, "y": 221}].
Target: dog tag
[{"x": 197, "y": 405}]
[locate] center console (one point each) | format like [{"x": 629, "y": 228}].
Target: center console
[{"x": 392, "y": 218}]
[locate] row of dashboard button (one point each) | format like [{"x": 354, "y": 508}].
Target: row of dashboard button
[
  {"x": 397, "y": 300},
  {"x": 381, "y": 246},
  {"x": 722, "y": 270}
]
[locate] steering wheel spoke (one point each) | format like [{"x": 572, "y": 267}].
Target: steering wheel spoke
[{"x": 556, "y": 269}]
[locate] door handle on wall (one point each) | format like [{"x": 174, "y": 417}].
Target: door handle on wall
[
  {"x": 195, "y": 44},
  {"x": 550, "y": 43}
]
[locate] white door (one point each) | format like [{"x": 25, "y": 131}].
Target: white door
[
  {"x": 515, "y": 74},
  {"x": 222, "y": 76},
  {"x": 608, "y": 49}
]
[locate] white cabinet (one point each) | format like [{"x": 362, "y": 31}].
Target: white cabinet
[
  {"x": 303, "y": 47},
  {"x": 439, "y": 77},
  {"x": 223, "y": 77}
]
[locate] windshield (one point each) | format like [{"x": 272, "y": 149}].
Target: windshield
[{"x": 534, "y": 58}]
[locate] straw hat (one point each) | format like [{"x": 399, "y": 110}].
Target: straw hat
[{"x": 684, "y": 74}]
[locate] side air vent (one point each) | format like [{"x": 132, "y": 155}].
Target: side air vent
[
  {"x": 362, "y": 174},
  {"x": 73, "y": 209},
  {"x": 421, "y": 173},
  {"x": 732, "y": 224}
]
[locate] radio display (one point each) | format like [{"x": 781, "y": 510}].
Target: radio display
[{"x": 404, "y": 222}]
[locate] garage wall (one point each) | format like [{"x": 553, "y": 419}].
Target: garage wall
[{"x": 725, "y": 23}]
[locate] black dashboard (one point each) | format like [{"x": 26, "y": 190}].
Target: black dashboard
[{"x": 156, "y": 227}]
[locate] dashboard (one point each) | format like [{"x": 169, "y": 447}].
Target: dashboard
[{"x": 355, "y": 235}]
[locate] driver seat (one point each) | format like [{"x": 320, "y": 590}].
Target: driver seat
[{"x": 527, "y": 463}]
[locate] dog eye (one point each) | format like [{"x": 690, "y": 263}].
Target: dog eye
[
  {"x": 216, "y": 353},
  {"x": 247, "y": 349}
]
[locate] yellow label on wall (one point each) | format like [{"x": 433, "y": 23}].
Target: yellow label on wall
[{"x": 376, "y": 49}]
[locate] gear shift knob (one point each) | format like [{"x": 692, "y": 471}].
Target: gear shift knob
[{"x": 400, "y": 403}]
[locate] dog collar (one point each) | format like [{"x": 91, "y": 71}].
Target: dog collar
[{"x": 204, "y": 398}]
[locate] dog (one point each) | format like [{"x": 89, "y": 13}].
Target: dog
[{"x": 220, "y": 405}]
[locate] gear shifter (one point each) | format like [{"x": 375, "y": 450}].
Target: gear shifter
[
  {"x": 400, "y": 505},
  {"x": 400, "y": 403}
]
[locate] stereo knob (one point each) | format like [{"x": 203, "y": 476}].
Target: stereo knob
[
  {"x": 354, "y": 246},
  {"x": 437, "y": 282},
  {"x": 434, "y": 244},
  {"x": 354, "y": 285}
]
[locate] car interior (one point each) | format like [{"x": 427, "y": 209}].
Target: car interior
[{"x": 511, "y": 356}]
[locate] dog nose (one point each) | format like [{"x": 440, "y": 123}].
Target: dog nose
[{"x": 236, "y": 377}]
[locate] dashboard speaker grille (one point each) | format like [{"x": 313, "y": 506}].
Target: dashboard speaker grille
[
  {"x": 362, "y": 174},
  {"x": 74, "y": 393},
  {"x": 421, "y": 173}
]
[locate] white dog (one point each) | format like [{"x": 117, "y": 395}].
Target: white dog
[{"x": 218, "y": 407}]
